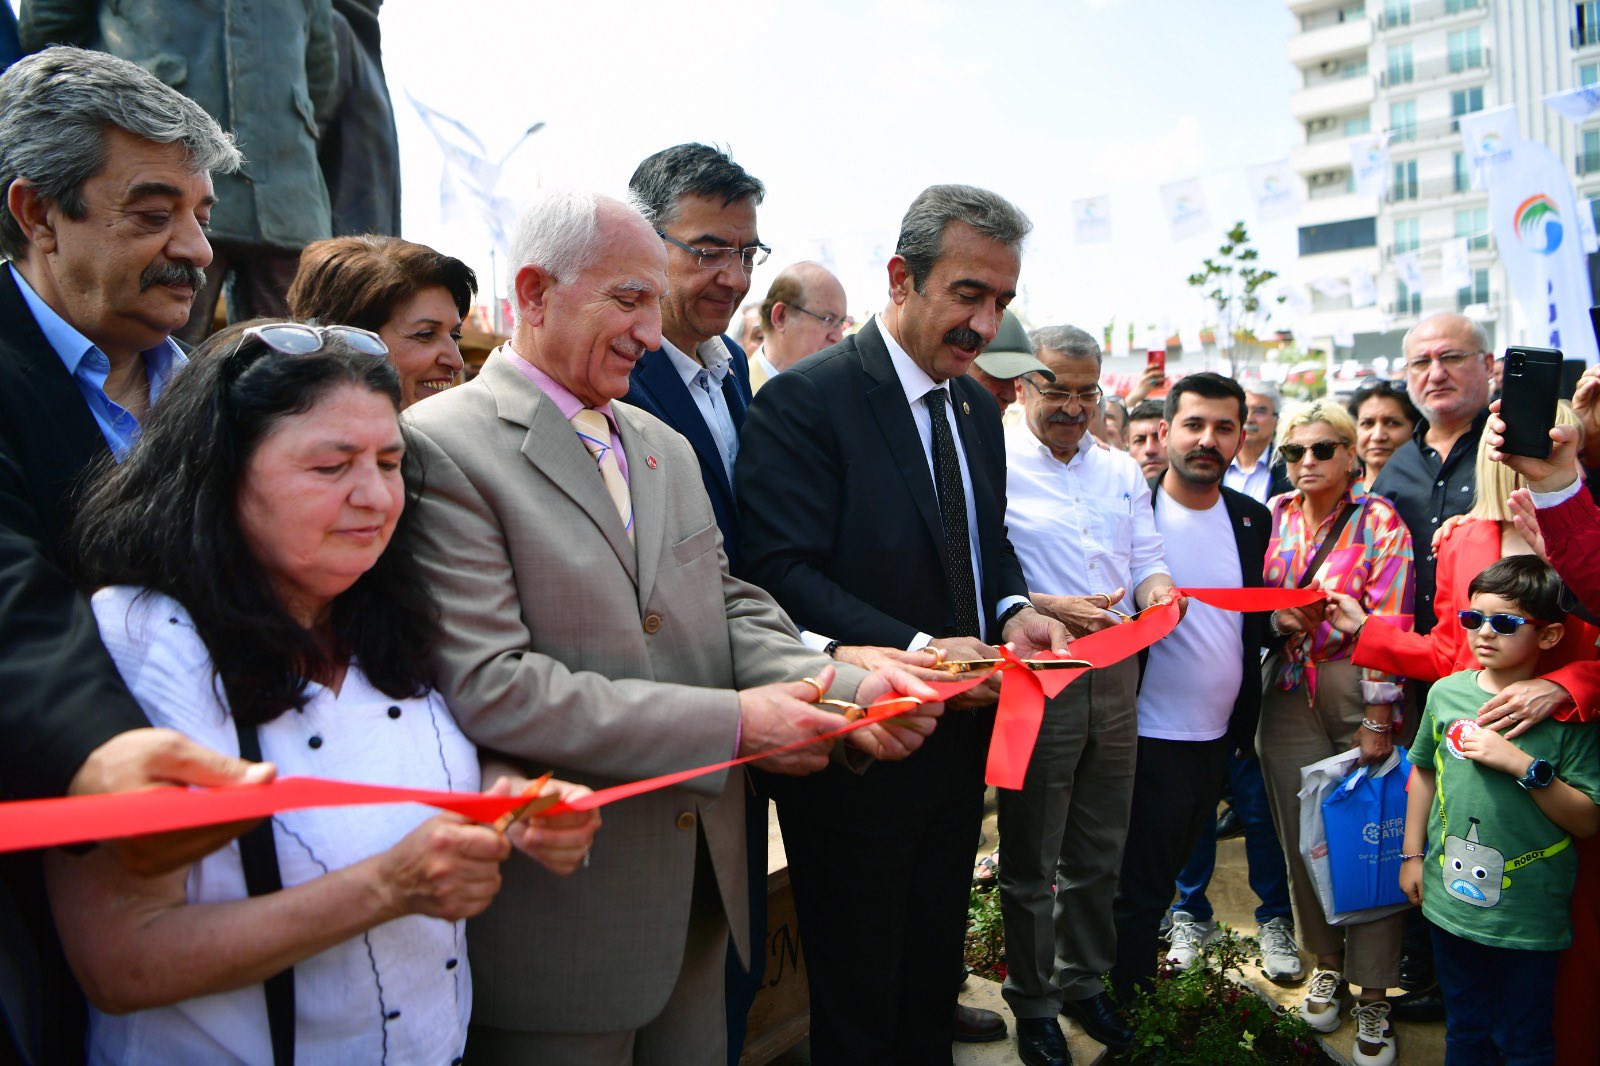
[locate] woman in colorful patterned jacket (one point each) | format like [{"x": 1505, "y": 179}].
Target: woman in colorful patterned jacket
[{"x": 1330, "y": 533}]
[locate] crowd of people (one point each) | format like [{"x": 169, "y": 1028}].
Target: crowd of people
[{"x": 632, "y": 544}]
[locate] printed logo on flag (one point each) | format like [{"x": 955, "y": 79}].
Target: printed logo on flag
[{"x": 1538, "y": 224}]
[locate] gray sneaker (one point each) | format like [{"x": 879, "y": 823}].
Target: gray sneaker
[
  {"x": 1325, "y": 1000},
  {"x": 1188, "y": 939},
  {"x": 1280, "y": 955}
]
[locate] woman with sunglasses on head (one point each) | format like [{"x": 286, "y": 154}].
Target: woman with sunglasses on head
[
  {"x": 408, "y": 294},
  {"x": 257, "y": 590},
  {"x": 1330, "y": 533},
  {"x": 1385, "y": 417}
]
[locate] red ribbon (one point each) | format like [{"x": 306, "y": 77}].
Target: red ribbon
[{"x": 47, "y": 823}]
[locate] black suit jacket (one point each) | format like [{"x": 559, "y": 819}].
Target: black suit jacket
[
  {"x": 656, "y": 386},
  {"x": 62, "y": 695},
  {"x": 1252, "y": 529},
  {"x": 840, "y": 522}
]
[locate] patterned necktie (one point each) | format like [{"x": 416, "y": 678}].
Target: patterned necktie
[
  {"x": 595, "y": 432},
  {"x": 953, "y": 516}
]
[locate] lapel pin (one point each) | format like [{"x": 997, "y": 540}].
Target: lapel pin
[
  {"x": 650, "y": 461},
  {"x": 1246, "y": 521},
  {"x": 966, "y": 408}
]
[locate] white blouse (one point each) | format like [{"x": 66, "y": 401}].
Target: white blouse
[{"x": 401, "y": 992}]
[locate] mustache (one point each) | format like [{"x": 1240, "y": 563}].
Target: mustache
[
  {"x": 176, "y": 272},
  {"x": 1061, "y": 418},
  {"x": 1204, "y": 453},
  {"x": 962, "y": 337},
  {"x": 628, "y": 347}
]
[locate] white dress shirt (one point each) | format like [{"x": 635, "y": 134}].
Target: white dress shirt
[
  {"x": 765, "y": 364},
  {"x": 1083, "y": 526},
  {"x": 704, "y": 378},
  {"x": 401, "y": 992}
]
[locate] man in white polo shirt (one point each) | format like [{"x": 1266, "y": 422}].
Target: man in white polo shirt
[
  {"x": 1201, "y": 691},
  {"x": 1079, "y": 518}
]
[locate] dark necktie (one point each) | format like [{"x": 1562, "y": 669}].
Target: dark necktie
[{"x": 953, "y": 516}]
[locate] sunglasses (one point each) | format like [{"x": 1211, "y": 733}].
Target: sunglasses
[
  {"x": 294, "y": 338},
  {"x": 1503, "y": 624},
  {"x": 1323, "y": 450}
]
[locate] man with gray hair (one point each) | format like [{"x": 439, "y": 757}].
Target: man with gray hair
[
  {"x": 872, "y": 504},
  {"x": 1080, "y": 517},
  {"x": 804, "y": 312},
  {"x": 106, "y": 177},
  {"x": 591, "y": 627},
  {"x": 1431, "y": 478},
  {"x": 1257, "y": 471}
]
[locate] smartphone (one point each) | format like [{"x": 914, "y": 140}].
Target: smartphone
[
  {"x": 1528, "y": 394},
  {"x": 1156, "y": 359}
]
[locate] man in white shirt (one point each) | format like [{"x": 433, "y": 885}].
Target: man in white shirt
[
  {"x": 1079, "y": 516},
  {"x": 1256, "y": 471},
  {"x": 803, "y": 313},
  {"x": 1201, "y": 691}
]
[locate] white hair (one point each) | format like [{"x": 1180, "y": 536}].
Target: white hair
[{"x": 559, "y": 232}]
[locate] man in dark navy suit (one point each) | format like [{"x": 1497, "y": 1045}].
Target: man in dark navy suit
[{"x": 703, "y": 205}]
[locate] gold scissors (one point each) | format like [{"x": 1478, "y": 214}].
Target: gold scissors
[
  {"x": 534, "y": 804},
  {"x": 967, "y": 666},
  {"x": 853, "y": 711}
]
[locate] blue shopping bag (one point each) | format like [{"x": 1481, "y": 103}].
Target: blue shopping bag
[{"x": 1365, "y": 819}]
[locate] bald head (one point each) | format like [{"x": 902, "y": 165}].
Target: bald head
[
  {"x": 1448, "y": 389},
  {"x": 802, "y": 296}
]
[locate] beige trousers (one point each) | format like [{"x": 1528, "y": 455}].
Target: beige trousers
[{"x": 1297, "y": 732}]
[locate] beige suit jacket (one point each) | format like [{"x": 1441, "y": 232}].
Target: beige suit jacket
[{"x": 569, "y": 650}]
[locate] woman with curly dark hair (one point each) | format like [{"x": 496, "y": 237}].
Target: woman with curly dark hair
[{"x": 257, "y": 590}]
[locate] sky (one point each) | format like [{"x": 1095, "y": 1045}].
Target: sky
[{"x": 846, "y": 110}]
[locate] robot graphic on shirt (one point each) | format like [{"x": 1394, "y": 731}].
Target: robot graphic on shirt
[{"x": 1474, "y": 872}]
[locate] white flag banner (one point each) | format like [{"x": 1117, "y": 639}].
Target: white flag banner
[
  {"x": 1363, "y": 288},
  {"x": 1486, "y": 138},
  {"x": 1369, "y": 162},
  {"x": 1185, "y": 203},
  {"x": 1455, "y": 268},
  {"x": 1586, "y": 228},
  {"x": 1534, "y": 213},
  {"x": 1091, "y": 220},
  {"x": 1274, "y": 189},
  {"x": 1344, "y": 337},
  {"x": 1575, "y": 105},
  {"x": 1409, "y": 267},
  {"x": 469, "y": 180},
  {"x": 1299, "y": 300},
  {"x": 1331, "y": 287}
]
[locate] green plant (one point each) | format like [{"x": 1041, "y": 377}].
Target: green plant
[
  {"x": 986, "y": 935},
  {"x": 1205, "y": 1014},
  {"x": 1232, "y": 282}
]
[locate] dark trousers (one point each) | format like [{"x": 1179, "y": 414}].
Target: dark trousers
[
  {"x": 743, "y": 984},
  {"x": 1269, "y": 878},
  {"x": 1175, "y": 788},
  {"x": 883, "y": 919},
  {"x": 257, "y": 277},
  {"x": 1498, "y": 1003}
]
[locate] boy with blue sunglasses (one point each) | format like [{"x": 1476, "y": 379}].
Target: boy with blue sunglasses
[{"x": 1490, "y": 823}]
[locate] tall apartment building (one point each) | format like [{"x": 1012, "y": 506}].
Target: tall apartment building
[{"x": 1412, "y": 68}]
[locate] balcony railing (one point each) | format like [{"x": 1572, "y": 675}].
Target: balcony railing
[
  {"x": 1417, "y": 14},
  {"x": 1475, "y": 245},
  {"x": 1414, "y": 307},
  {"x": 1475, "y": 61},
  {"x": 1429, "y": 190}
]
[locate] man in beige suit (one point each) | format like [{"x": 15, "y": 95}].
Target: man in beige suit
[{"x": 591, "y": 627}]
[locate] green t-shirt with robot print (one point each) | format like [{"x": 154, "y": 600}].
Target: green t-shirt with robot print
[{"x": 1497, "y": 871}]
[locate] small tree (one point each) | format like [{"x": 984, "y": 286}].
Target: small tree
[{"x": 1232, "y": 282}]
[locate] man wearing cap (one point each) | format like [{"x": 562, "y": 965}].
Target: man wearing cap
[
  {"x": 1005, "y": 360},
  {"x": 803, "y": 313}
]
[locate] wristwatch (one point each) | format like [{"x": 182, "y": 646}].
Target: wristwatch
[
  {"x": 831, "y": 647},
  {"x": 1540, "y": 774},
  {"x": 1006, "y": 616}
]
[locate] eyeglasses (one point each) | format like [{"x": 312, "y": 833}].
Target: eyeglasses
[
  {"x": 1062, "y": 397},
  {"x": 1450, "y": 362},
  {"x": 827, "y": 320},
  {"x": 750, "y": 256},
  {"x": 1503, "y": 624},
  {"x": 296, "y": 338},
  {"x": 1323, "y": 450}
]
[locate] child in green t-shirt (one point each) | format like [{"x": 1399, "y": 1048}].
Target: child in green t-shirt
[{"x": 1496, "y": 819}]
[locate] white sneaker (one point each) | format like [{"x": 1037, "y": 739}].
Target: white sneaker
[
  {"x": 1280, "y": 955},
  {"x": 1188, "y": 938},
  {"x": 1374, "y": 1044},
  {"x": 1325, "y": 1001}
]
